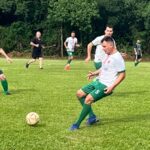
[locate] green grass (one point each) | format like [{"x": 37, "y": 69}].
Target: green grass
[{"x": 125, "y": 116}]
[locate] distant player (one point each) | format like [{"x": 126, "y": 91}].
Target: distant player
[
  {"x": 99, "y": 53},
  {"x": 137, "y": 52},
  {"x": 37, "y": 45},
  {"x": 110, "y": 75},
  {"x": 70, "y": 44},
  {"x": 2, "y": 76}
]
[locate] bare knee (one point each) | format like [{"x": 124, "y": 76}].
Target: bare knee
[
  {"x": 80, "y": 93},
  {"x": 89, "y": 99},
  {"x": 2, "y": 77}
]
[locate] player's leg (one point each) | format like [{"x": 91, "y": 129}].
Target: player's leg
[
  {"x": 83, "y": 92},
  {"x": 136, "y": 60},
  {"x": 30, "y": 62},
  {"x": 70, "y": 58},
  {"x": 41, "y": 62},
  {"x": 4, "y": 83},
  {"x": 96, "y": 94}
]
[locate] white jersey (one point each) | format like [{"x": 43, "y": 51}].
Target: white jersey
[
  {"x": 99, "y": 52},
  {"x": 111, "y": 66},
  {"x": 71, "y": 43}
]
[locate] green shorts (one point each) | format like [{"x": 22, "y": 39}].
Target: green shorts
[
  {"x": 70, "y": 53},
  {"x": 1, "y": 72},
  {"x": 95, "y": 89},
  {"x": 98, "y": 65}
]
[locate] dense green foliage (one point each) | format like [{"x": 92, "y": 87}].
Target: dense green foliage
[
  {"x": 20, "y": 19},
  {"x": 125, "y": 117}
]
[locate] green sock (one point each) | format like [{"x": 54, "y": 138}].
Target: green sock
[
  {"x": 4, "y": 85},
  {"x": 86, "y": 109},
  {"x": 91, "y": 113},
  {"x": 69, "y": 61}
]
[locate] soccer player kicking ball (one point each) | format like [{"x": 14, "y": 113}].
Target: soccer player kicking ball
[
  {"x": 70, "y": 44},
  {"x": 138, "y": 53},
  {"x": 109, "y": 75},
  {"x": 2, "y": 76},
  {"x": 37, "y": 45},
  {"x": 99, "y": 53}
]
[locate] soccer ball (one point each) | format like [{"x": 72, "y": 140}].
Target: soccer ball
[{"x": 32, "y": 118}]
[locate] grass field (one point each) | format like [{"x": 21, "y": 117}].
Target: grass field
[{"x": 125, "y": 115}]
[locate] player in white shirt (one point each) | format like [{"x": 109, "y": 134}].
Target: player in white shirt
[
  {"x": 110, "y": 75},
  {"x": 70, "y": 44},
  {"x": 99, "y": 52}
]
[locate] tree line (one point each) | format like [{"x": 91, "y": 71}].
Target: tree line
[{"x": 20, "y": 19}]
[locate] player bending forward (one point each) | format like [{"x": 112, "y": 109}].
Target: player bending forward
[
  {"x": 99, "y": 52},
  {"x": 2, "y": 76},
  {"x": 110, "y": 75}
]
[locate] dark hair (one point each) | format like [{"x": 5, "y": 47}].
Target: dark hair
[
  {"x": 108, "y": 39},
  {"x": 73, "y": 32},
  {"x": 109, "y": 26}
]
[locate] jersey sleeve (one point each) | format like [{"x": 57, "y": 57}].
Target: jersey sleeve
[
  {"x": 33, "y": 40},
  {"x": 67, "y": 40},
  {"x": 120, "y": 65},
  {"x": 96, "y": 41}
]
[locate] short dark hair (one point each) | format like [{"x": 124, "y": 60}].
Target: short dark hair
[
  {"x": 108, "y": 39},
  {"x": 109, "y": 26},
  {"x": 73, "y": 32}
]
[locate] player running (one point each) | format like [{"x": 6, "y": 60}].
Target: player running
[
  {"x": 2, "y": 76},
  {"x": 137, "y": 52},
  {"x": 110, "y": 75},
  {"x": 37, "y": 45},
  {"x": 70, "y": 44},
  {"x": 99, "y": 53}
]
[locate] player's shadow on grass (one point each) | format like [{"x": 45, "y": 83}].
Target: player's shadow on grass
[
  {"x": 135, "y": 118},
  {"x": 17, "y": 91},
  {"x": 123, "y": 94}
]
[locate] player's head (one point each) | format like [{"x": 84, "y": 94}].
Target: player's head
[
  {"x": 138, "y": 41},
  {"x": 38, "y": 34},
  {"x": 108, "y": 45},
  {"x": 109, "y": 30},
  {"x": 73, "y": 34}
]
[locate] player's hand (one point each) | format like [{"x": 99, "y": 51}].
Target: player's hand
[
  {"x": 9, "y": 60},
  {"x": 37, "y": 45},
  {"x": 108, "y": 90},
  {"x": 77, "y": 45},
  {"x": 90, "y": 75},
  {"x": 87, "y": 59}
]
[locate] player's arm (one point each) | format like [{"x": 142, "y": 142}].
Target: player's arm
[
  {"x": 2, "y": 52},
  {"x": 65, "y": 44},
  {"x": 93, "y": 74},
  {"x": 89, "y": 49},
  {"x": 119, "y": 79},
  {"x": 33, "y": 44},
  {"x": 135, "y": 52}
]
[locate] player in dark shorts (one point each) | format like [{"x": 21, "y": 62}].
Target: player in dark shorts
[
  {"x": 37, "y": 45},
  {"x": 138, "y": 53},
  {"x": 2, "y": 76}
]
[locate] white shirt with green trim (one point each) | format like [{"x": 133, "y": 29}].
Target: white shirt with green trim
[
  {"x": 111, "y": 66},
  {"x": 71, "y": 43},
  {"x": 99, "y": 52}
]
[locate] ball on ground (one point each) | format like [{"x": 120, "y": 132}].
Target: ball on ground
[{"x": 32, "y": 118}]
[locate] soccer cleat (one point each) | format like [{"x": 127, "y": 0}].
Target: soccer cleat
[
  {"x": 92, "y": 120},
  {"x": 27, "y": 65},
  {"x": 67, "y": 67},
  {"x": 7, "y": 93},
  {"x": 74, "y": 127}
]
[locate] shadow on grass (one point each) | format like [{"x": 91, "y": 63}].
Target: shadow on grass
[
  {"x": 17, "y": 91},
  {"x": 122, "y": 94},
  {"x": 136, "y": 118}
]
